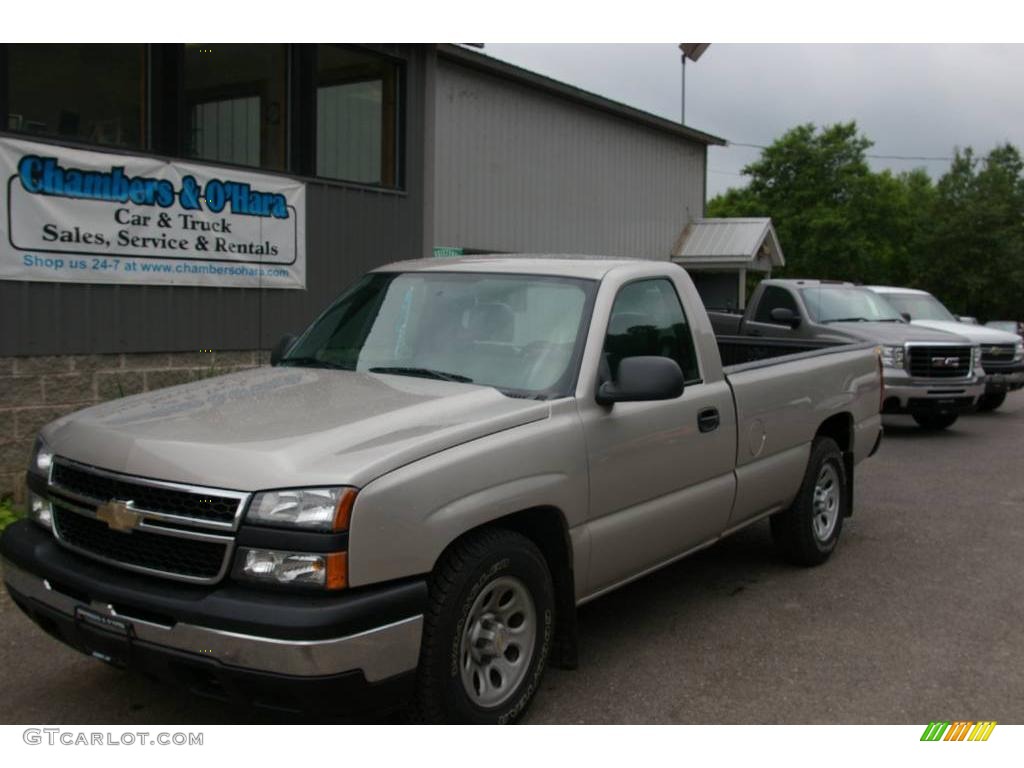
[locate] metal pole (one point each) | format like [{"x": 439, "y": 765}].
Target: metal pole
[{"x": 682, "y": 106}]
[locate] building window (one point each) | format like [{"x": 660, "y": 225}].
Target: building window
[
  {"x": 356, "y": 116},
  {"x": 93, "y": 93},
  {"x": 236, "y": 103}
]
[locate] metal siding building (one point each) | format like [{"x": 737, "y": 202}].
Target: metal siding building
[
  {"x": 524, "y": 163},
  {"x": 350, "y": 229}
]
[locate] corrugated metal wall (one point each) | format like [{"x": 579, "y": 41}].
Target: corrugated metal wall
[
  {"x": 517, "y": 169},
  {"x": 348, "y": 231}
]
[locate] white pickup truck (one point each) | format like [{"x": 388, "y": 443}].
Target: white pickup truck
[{"x": 412, "y": 502}]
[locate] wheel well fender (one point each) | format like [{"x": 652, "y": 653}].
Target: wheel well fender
[
  {"x": 839, "y": 427},
  {"x": 547, "y": 528}
]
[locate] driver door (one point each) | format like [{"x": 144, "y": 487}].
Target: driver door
[{"x": 661, "y": 473}]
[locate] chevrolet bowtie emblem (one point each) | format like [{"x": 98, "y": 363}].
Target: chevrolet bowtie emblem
[{"x": 119, "y": 516}]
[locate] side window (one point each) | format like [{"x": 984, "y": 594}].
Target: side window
[
  {"x": 774, "y": 297},
  {"x": 647, "y": 319}
]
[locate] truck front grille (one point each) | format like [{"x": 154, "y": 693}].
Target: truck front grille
[
  {"x": 939, "y": 362},
  {"x": 146, "y": 551},
  {"x": 997, "y": 355},
  {"x": 166, "y": 529},
  {"x": 101, "y": 486}
]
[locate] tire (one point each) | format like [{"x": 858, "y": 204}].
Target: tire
[
  {"x": 935, "y": 421},
  {"x": 475, "y": 667},
  {"x": 991, "y": 401},
  {"x": 807, "y": 533}
]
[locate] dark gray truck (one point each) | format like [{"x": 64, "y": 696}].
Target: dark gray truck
[{"x": 931, "y": 375}]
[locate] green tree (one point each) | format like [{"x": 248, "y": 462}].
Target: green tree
[
  {"x": 961, "y": 238},
  {"x": 831, "y": 212},
  {"x": 974, "y": 258}
]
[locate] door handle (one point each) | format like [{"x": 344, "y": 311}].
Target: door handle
[{"x": 708, "y": 420}]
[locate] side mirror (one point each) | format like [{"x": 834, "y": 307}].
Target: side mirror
[
  {"x": 784, "y": 316},
  {"x": 282, "y": 347},
  {"x": 905, "y": 316},
  {"x": 643, "y": 379}
]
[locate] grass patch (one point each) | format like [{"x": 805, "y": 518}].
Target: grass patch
[{"x": 8, "y": 513}]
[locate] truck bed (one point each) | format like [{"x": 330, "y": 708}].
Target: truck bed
[{"x": 743, "y": 352}]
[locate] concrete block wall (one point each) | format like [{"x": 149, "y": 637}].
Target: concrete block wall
[{"x": 37, "y": 390}]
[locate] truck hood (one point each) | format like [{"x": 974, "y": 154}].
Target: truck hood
[
  {"x": 979, "y": 334},
  {"x": 896, "y": 333},
  {"x": 285, "y": 427}
]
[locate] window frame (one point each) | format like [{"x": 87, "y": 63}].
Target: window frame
[
  {"x": 145, "y": 107},
  {"x": 686, "y": 319},
  {"x": 166, "y": 118},
  {"x": 396, "y": 125}
]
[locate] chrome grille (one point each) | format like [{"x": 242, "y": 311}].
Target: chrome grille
[
  {"x": 154, "y": 552},
  {"x": 939, "y": 362},
  {"x": 90, "y": 484},
  {"x": 182, "y": 532},
  {"x": 996, "y": 355}
]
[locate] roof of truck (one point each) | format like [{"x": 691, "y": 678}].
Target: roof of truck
[
  {"x": 811, "y": 283},
  {"x": 894, "y": 289},
  {"x": 560, "y": 265}
]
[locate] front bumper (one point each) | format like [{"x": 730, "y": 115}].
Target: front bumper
[
  {"x": 906, "y": 395},
  {"x": 1005, "y": 378},
  {"x": 247, "y": 644}
]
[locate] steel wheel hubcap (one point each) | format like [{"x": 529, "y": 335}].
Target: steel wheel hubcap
[
  {"x": 498, "y": 642},
  {"x": 826, "y": 502}
]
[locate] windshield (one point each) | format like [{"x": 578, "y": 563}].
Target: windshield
[
  {"x": 920, "y": 306},
  {"x": 838, "y": 303},
  {"x": 522, "y": 334}
]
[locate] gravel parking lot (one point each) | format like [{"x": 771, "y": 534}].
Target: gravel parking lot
[{"x": 917, "y": 617}]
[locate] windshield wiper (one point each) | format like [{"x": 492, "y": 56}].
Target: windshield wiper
[
  {"x": 312, "y": 362},
  {"x": 846, "y": 320},
  {"x": 426, "y": 373}
]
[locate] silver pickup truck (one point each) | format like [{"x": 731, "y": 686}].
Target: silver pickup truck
[
  {"x": 930, "y": 374},
  {"x": 412, "y": 502}
]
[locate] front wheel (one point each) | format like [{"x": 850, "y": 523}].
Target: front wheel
[
  {"x": 808, "y": 531},
  {"x": 488, "y": 632},
  {"x": 991, "y": 401},
  {"x": 935, "y": 421}
]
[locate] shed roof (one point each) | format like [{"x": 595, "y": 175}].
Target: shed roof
[{"x": 729, "y": 244}]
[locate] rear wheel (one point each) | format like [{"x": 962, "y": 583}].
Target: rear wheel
[
  {"x": 808, "y": 531},
  {"x": 935, "y": 421},
  {"x": 487, "y": 634},
  {"x": 991, "y": 401}
]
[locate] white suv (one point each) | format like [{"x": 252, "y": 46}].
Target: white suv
[{"x": 1002, "y": 353}]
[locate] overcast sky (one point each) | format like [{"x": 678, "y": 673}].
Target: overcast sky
[{"x": 911, "y": 100}]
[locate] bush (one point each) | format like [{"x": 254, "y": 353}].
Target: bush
[{"x": 8, "y": 514}]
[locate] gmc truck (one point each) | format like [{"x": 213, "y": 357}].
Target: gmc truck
[
  {"x": 930, "y": 374},
  {"x": 1002, "y": 353},
  {"x": 412, "y": 501}
]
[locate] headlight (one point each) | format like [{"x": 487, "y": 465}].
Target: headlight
[
  {"x": 42, "y": 458},
  {"x": 893, "y": 356},
  {"x": 300, "y": 569},
  {"x": 40, "y": 510},
  {"x": 311, "y": 509},
  {"x": 975, "y": 357},
  {"x": 1018, "y": 351}
]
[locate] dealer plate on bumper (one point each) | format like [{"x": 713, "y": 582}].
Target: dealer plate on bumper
[{"x": 107, "y": 638}]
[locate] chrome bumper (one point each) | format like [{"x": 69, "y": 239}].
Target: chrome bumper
[
  {"x": 904, "y": 389},
  {"x": 379, "y": 653}
]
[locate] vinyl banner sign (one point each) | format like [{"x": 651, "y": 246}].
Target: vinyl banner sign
[{"x": 78, "y": 216}]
